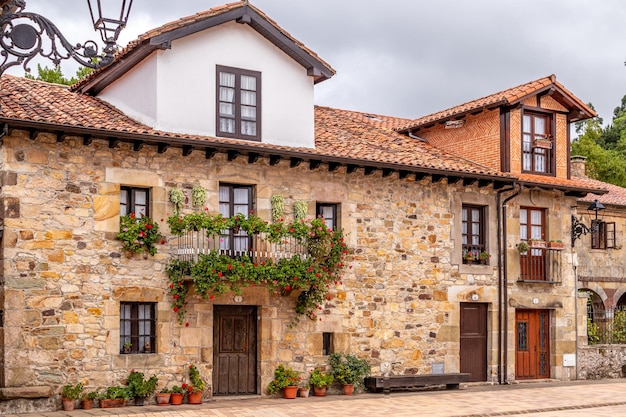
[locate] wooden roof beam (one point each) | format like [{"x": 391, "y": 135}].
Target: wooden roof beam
[{"x": 187, "y": 150}]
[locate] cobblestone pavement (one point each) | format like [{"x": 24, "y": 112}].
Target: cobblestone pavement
[{"x": 544, "y": 399}]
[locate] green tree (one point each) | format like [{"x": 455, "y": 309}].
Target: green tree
[{"x": 55, "y": 75}]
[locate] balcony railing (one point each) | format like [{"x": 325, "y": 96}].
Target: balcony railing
[
  {"x": 541, "y": 265},
  {"x": 256, "y": 247}
]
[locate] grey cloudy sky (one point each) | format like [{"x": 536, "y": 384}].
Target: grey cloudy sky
[{"x": 410, "y": 58}]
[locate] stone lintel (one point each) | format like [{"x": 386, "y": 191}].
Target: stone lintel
[{"x": 13, "y": 393}]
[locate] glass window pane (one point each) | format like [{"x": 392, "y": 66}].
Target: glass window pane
[
  {"x": 248, "y": 83},
  {"x": 141, "y": 197},
  {"x": 526, "y": 123},
  {"x": 227, "y": 109},
  {"x": 227, "y": 125},
  {"x": 227, "y": 94},
  {"x": 248, "y": 113},
  {"x": 227, "y": 79},
  {"x": 241, "y": 196},
  {"x": 248, "y": 128},
  {"x": 248, "y": 98},
  {"x": 540, "y": 125}
]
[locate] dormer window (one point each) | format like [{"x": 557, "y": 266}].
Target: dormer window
[
  {"x": 537, "y": 143},
  {"x": 238, "y": 103}
]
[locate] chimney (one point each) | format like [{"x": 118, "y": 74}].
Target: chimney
[{"x": 578, "y": 166}]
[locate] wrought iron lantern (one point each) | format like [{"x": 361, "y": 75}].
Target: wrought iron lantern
[
  {"x": 579, "y": 229},
  {"x": 22, "y": 37}
]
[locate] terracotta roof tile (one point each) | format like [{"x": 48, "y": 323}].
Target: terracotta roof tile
[
  {"x": 561, "y": 183},
  {"x": 506, "y": 97},
  {"x": 616, "y": 195},
  {"x": 340, "y": 134}
]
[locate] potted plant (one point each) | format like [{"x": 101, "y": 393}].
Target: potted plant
[
  {"x": 115, "y": 396},
  {"x": 304, "y": 389},
  {"x": 537, "y": 243},
  {"x": 197, "y": 386},
  {"x": 555, "y": 244},
  {"x": 138, "y": 234},
  {"x": 87, "y": 399},
  {"x": 126, "y": 347},
  {"x": 469, "y": 256},
  {"x": 484, "y": 256},
  {"x": 176, "y": 397},
  {"x": 523, "y": 247},
  {"x": 141, "y": 388},
  {"x": 69, "y": 394},
  {"x": 163, "y": 397},
  {"x": 320, "y": 380},
  {"x": 285, "y": 379},
  {"x": 349, "y": 370}
]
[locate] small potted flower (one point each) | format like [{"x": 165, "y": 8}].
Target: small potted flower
[
  {"x": 555, "y": 245},
  {"x": 176, "y": 397},
  {"x": 304, "y": 389},
  {"x": 523, "y": 247},
  {"x": 163, "y": 397},
  {"x": 349, "y": 370},
  {"x": 320, "y": 380},
  {"x": 69, "y": 394},
  {"x": 88, "y": 398},
  {"x": 285, "y": 379},
  {"x": 197, "y": 386},
  {"x": 469, "y": 257},
  {"x": 484, "y": 256}
]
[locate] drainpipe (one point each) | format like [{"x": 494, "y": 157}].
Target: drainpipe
[{"x": 502, "y": 281}]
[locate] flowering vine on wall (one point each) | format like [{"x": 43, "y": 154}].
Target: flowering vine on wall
[
  {"x": 139, "y": 234},
  {"x": 215, "y": 273}
]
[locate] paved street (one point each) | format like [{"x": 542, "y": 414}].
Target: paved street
[{"x": 544, "y": 399}]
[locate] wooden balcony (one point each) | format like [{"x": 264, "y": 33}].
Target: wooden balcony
[
  {"x": 541, "y": 265},
  {"x": 256, "y": 247}
]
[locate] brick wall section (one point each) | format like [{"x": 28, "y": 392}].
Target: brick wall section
[{"x": 478, "y": 139}]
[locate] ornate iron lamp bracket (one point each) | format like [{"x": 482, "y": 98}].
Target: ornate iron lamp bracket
[
  {"x": 21, "y": 39},
  {"x": 579, "y": 229}
]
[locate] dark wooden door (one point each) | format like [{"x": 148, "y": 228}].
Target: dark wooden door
[
  {"x": 234, "y": 350},
  {"x": 473, "y": 354},
  {"x": 532, "y": 352}
]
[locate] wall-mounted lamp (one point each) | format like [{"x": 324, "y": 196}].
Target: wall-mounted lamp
[
  {"x": 579, "y": 229},
  {"x": 21, "y": 35}
]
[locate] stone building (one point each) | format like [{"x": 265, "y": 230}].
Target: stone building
[{"x": 418, "y": 201}]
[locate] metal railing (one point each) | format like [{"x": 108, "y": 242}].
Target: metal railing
[
  {"x": 257, "y": 247},
  {"x": 606, "y": 326}
]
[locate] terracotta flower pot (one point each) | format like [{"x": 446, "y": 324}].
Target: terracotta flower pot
[
  {"x": 163, "y": 398},
  {"x": 348, "y": 389},
  {"x": 304, "y": 392},
  {"x": 68, "y": 405},
  {"x": 176, "y": 398},
  {"x": 87, "y": 404},
  {"x": 319, "y": 391},
  {"x": 290, "y": 392},
  {"x": 194, "y": 398}
]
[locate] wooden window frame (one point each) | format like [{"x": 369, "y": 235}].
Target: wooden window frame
[
  {"x": 134, "y": 336},
  {"x": 482, "y": 232},
  {"x": 131, "y": 197},
  {"x": 238, "y": 72},
  {"x": 334, "y": 220},
  {"x": 327, "y": 344},
  {"x": 549, "y": 154},
  {"x": 230, "y": 233},
  {"x": 603, "y": 234}
]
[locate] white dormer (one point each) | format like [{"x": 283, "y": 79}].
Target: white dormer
[{"x": 228, "y": 72}]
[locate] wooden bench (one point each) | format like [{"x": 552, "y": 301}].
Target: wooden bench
[{"x": 386, "y": 383}]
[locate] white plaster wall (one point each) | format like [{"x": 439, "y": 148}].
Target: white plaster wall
[
  {"x": 135, "y": 93},
  {"x": 184, "y": 91}
]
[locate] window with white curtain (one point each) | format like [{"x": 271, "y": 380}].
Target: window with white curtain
[
  {"x": 329, "y": 212},
  {"x": 235, "y": 199},
  {"x": 537, "y": 143},
  {"x": 239, "y": 103},
  {"x": 137, "y": 327}
]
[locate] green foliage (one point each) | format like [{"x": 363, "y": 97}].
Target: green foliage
[
  {"x": 55, "y": 75},
  {"x": 321, "y": 379},
  {"x": 216, "y": 273},
  {"x": 593, "y": 335},
  {"x": 619, "y": 327},
  {"x": 198, "y": 384},
  {"x": 139, "y": 234},
  {"x": 91, "y": 395},
  {"x": 112, "y": 393},
  {"x": 177, "y": 197},
  {"x": 300, "y": 209},
  {"x": 138, "y": 386},
  {"x": 283, "y": 377},
  {"x": 348, "y": 369},
  {"x": 198, "y": 196},
  {"x": 177, "y": 390},
  {"x": 278, "y": 207},
  {"x": 72, "y": 392}
]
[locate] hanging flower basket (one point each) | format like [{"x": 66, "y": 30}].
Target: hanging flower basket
[{"x": 318, "y": 248}]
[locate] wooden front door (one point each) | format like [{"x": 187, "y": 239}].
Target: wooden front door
[
  {"x": 532, "y": 341},
  {"x": 473, "y": 354},
  {"x": 234, "y": 350}
]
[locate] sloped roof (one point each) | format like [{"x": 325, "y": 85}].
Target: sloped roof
[
  {"x": 161, "y": 38},
  {"x": 508, "y": 97},
  {"x": 616, "y": 195},
  {"x": 574, "y": 185},
  {"x": 341, "y": 136}
]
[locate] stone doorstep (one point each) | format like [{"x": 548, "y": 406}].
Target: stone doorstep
[{"x": 13, "y": 393}]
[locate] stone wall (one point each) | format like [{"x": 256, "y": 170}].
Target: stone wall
[
  {"x": 601, "y": 361},
  {"x": 397, "y": 305}
]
